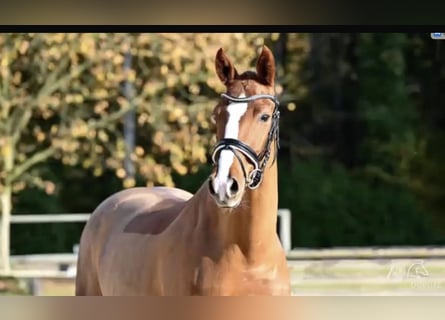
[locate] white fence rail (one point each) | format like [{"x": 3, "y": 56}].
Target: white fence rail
[
  {"x": 284, "y": 232},
  {"x": 333, "y": 271},
  {"x": 50, "y": 218}
]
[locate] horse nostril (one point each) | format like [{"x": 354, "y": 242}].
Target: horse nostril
[{"x": 234, "y": 187}]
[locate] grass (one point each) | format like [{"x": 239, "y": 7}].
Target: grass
[
  {"x": 11, "y": 287},
  {"x": 66, "y": 287},
  {"x": 57, "y": 287}
]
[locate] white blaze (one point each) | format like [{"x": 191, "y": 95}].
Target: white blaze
[{"x": 235, "y": 112}]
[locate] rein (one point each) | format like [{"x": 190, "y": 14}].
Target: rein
[{"x": 259, "y": 161}]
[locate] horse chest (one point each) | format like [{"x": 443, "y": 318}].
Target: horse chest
[{"x": 214, "y": 279}]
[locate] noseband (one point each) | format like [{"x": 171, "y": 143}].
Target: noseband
[{"x": 259, "y": 161}]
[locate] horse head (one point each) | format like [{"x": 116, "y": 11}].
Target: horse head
[{"x": 246, "y": 120}]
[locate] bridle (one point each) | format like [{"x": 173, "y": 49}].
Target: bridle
[{"x": 259, "y": 161}]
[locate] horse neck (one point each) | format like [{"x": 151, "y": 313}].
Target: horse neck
[{"x": 251, "y": 226}]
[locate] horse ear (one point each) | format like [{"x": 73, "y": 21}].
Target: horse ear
[
  {"x": 224, "y": 67},
  {"x": 266, "y": 66}
]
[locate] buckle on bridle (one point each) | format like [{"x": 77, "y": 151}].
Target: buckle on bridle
[{"x": 255, "y": 178}]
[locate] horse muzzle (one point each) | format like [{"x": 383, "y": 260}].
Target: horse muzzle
[{"x": 227, "y": 193}]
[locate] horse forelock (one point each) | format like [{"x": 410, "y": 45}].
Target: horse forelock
[{"x": 249, "y": 84}]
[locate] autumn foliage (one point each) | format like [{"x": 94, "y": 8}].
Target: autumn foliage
[{"x": 62, "y": 97}]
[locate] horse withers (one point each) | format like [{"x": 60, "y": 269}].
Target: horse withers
[{"x": 222, "y": 241}]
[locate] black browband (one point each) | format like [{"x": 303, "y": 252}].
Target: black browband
[{"x": 254, "y": 178}]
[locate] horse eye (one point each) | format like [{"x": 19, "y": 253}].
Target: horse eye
[{"x": 264, "y": 117}]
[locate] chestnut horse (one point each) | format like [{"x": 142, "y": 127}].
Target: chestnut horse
[{"x": 222, "y": 241}]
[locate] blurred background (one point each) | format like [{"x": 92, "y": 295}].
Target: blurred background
[{"x": 361, "y": 166}]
